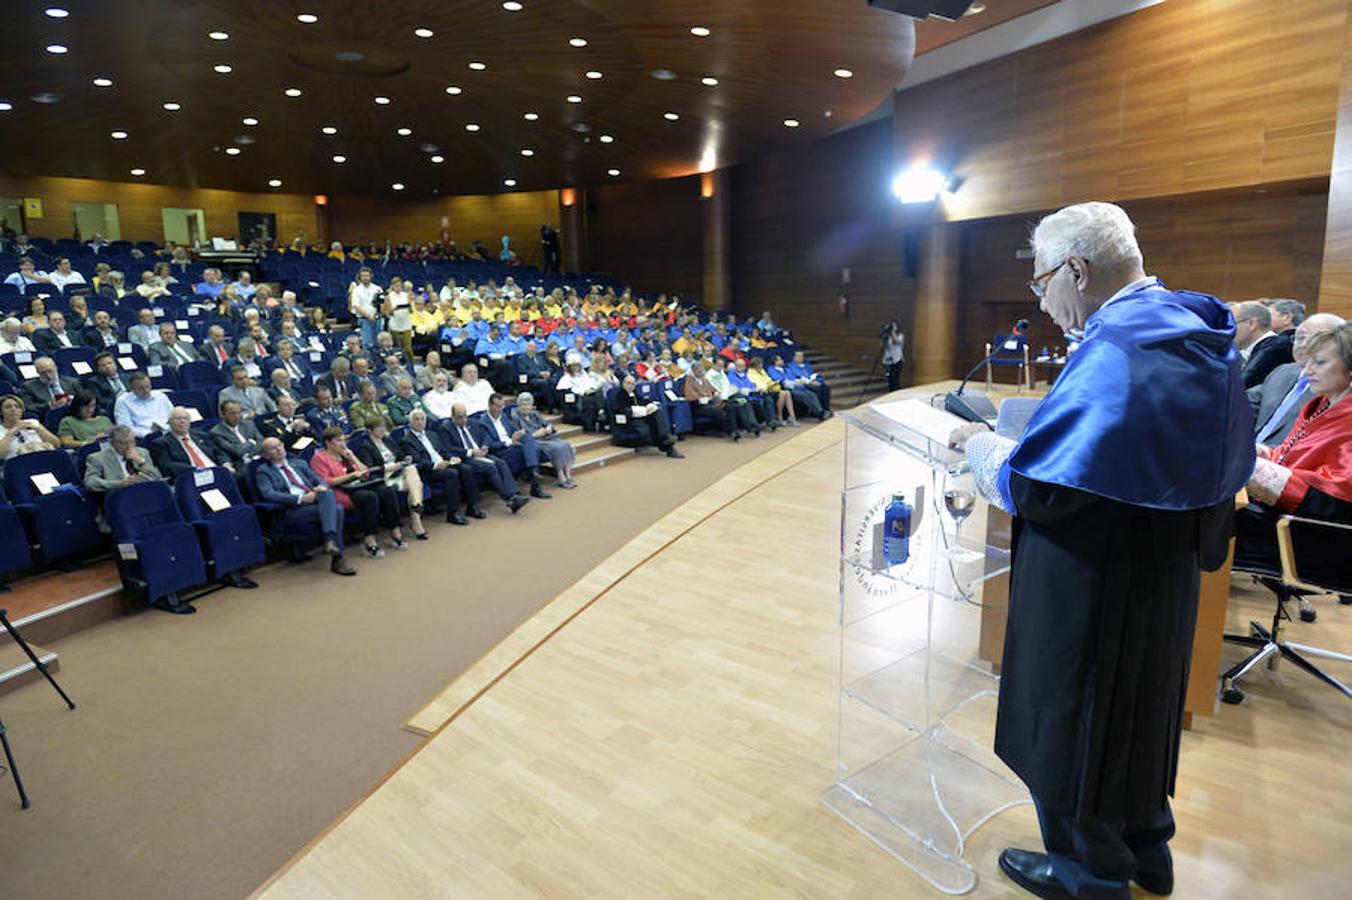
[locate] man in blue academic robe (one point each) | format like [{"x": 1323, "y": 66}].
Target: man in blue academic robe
[{"x": 1122, "y": 487}]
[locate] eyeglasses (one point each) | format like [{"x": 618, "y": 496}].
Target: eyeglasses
[{"x": 1039, "y": 283}]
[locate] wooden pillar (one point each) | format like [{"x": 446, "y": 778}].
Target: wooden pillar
[
  {"x": 571, "y": 238},
  {"x": 717, "y": 206},
  {"x": 1335, "y": 279},
  {"x": 936, "y": 304},
  {"x": 323, "y": 224}
]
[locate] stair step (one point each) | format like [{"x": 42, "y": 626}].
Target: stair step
[
  {"x": 585, "y": 440},
  {"x": 16, "y": 669},
  {"x": 596, "y": 457}
]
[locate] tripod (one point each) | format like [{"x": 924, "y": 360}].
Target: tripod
[{"x": 41, "y": 667}]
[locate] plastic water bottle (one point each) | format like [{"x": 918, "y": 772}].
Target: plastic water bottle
[{"x": 897, "y": 530}]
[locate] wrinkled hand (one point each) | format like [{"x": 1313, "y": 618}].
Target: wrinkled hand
[{"x": 964, "y": 433}]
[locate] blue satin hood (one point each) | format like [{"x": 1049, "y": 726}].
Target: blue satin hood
[{"x": 1150, "y": 410}]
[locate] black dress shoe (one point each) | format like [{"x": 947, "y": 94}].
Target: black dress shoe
[
  {"x": 1033, "y": 872},
  {"x": 244, "y": 583},
  {"x": 424, "y": 536},
  {"x": 537, "y": 491},
  {"x": 171, "y": 603},
  {"x": 339, "y": 566},
  {"x": 674, "y": 453},
  {"x": 475, "y": 513},
  {"x": 1159, "y": 877},
  {"x": 454, "y": 519},
  {"x": 517, "y": 502}
]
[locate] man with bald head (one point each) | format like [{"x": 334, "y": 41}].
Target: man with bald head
[
  {"x": 1262, "y": 348},
  {"x": 1278, "y": 400}
]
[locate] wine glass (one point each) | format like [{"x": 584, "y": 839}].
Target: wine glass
[{"x": 959, "y": 502}]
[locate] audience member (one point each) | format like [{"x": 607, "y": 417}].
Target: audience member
[
  {"x": 287, "y": 426},
  {"x": 55, "y": 336},
  {"x": 142, "y": 409},
  {"x": 487, "y": 468},
  {"x": 82, "y": 424},
  {"x": 1280, "y": 397},
  {"x": 526, "y": 419},
  {"x": 289, "y": 482},
  {"x": 373, "y": 501},
  {"x": 326, "y": 413},
  {"x": 102, "y": 334},
  {"x": 47, "y": 390},
  {"x": 19, "y": 435},
  {"x": 64, "y": 275},
  {"x": 12, "y": 338},
  {"x": 379, "y": 454},
  {"x": 471, "y": 391},
  {"x": 707, "y": 405},
  {"x": 252, "y": 400},
  {"x": 367, "y": 409},
  {"x": 236, "y": 436},
  {"x": 1287, "y": 315},
  {"x": 580, "y": 395},
  {"x": 649, "y": 419},
  {"x": 783, "y": 400},
  {"x": 171, "y": 351},
  {"x": 513, "y": 445},
  {"x": 185, "y": 449},
  {"x": 339, "y": 381},
  {"x": 217, "y": 348},
  {"x": 442, "y": 469},
  {"x": 27, "y": 274},
  {"x": 120, "y": 463},
  {"x": 144, "y": 332},
  {"x": 106, "y": 382},
  {"x": 1261, "y": 349}
]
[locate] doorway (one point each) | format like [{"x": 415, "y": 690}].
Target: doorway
[
  {"x": 184, "y": 226},
  {"x": 89, "y": 219},
  {"x": 11, "y": 216}
]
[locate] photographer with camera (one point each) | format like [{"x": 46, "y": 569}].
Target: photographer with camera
[{"x": 893, "y": 351}]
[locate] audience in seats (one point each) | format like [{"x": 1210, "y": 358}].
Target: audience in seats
[
  {"x": 120, "y": 463},
  {"x": 287, "y": 425},
  {"x": 1286, "y": 390},
  {"x": 1262, "y": 349},
  {"x": 37, "y": 315},
  {"x": 252, "y": 400},
  {"x": 48, "y": 390},
  {"x": 107, "y": 382},
  {"x": 171, "y": 351},
  {"x": 442, "y": 469},
  {"x": 145, "y": 332},
  {"x": 186, "y": 449},
  {"x": 772, "y": 389},
  {"x": 580, "y": 395},
  {"x": 326, "y": 413},
  {"x": 150, "y": 288},
  {"x": 525, "y": 418},
  {"x": 82, "y": 424},
  {"x": 801, "y": 376},
  {"x": 518, "y": 446},
  {"x": 289, "y": 482},
  {"x": 428, "y": 371},
  {"x": 491, "y": 470},
  {"x": 218, "y": 349},
  {"x": 367, "y": 410},
  {"x": 12, "y": 338},
  {"x": 372, "y": 499},
  {"x": 56, "y": 335},
  {"x": 235, "y": 436},
  {"x": 707, "y": 406},
  {"x": 381, "y": 455},
  {"x": 339, "y": 380},
  {"x": 472, "y": 391},
  {"x": 439, "y": 401},
  {"x": 403, "y": 401},
  {"x": 20, "y": 435},
  {"x": 737, "y": 403},
  {"x": 648, "y": 418},
  {"x": 102, "y": 333}
]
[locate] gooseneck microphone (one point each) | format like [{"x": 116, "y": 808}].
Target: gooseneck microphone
[{"x": 978, "y": 408}]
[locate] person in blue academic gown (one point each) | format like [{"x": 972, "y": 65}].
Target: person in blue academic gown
[{"x": 1122, "y": 487}]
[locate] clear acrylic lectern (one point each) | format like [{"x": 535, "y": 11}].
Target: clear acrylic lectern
[{"x": 915, "y": 769}]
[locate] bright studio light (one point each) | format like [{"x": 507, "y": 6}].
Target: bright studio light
[{"x": 919, "y": 184}]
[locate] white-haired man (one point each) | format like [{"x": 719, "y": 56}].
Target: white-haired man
[
  {"x": 1286, "y": 389},
  {"x": 1123, "y": 484}
]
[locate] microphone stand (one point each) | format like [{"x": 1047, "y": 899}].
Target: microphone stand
[
  {"x": 971, "y": 409},
  {"x": 4, "y": 738}
]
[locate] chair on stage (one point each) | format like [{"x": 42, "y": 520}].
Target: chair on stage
[
  {"x": 160, "y": 555},
  {"x": 1010, "y": 350},
  {"x": 1311, "y": 558}
]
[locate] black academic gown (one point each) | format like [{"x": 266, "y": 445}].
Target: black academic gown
[{"x": 1103, "y": 604}]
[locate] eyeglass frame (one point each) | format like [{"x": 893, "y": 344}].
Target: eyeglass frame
[{"x": 1036, "y": 285}]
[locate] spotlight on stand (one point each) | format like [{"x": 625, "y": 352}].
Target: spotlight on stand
[{"x": 919, "y": 184}]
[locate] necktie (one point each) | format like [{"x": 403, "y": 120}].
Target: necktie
[
  {"x": 342, "y": 388},
  {"x": 292, "y": 477},
  {"x": 220, "y": 352},
  {"x": 116, "y": 384},
  {"x": 197, "y": 459},
  {"x": 466, "y": 439},
  {"x": 180, "y": 353}
]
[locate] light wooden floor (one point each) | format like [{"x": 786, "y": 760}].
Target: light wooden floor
[{"x": 670, "y": 737}]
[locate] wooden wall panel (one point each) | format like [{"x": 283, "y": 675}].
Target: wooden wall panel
[
  {"x": 650, "y": 234},
  {"x": 1335, "y": 285},
  {"x": 139, "y": 206},
  {"x": 1178, "y": 98}
]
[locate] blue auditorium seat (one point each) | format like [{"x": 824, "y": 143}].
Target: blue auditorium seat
[
  {"x": 231, "y": 538},
  {"x": 61, "y": 523},
  {"x": 168, "y": 558},
  {"x": 15, "y": 555}
]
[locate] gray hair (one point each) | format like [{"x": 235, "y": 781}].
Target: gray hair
[
  {"x": 525, "y": 396},
  {"x": 1252, "y": 309},
  {"x": 11, "y": 324},
  {"x": 246, "y": 344},
  {"x": 1292, "y": 308},
  {"x": 121, "y": 432},
  {"x": 1101, "y": 233}
]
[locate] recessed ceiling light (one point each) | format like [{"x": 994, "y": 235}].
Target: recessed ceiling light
[
  {"x": 975, "y": 8},
  {"x": 249, "y": 120},
  {"x": 382, "y": 101},
  {"x": 219, "y": 35},
  {"x": 6, "y": 106},
  {"x": 453, "y": 89},
  {"x": 581, "y": 127},
  {"x": 274, "y": 182},
  {"x": 613, "y": 173},
  {"x": 329, "y": 129},
  {"x": 478, "y": 66},
  {"x": 103, "y": 82},
  {"x": 709, "y": 81},
  {"x": 790, "y": 123},
  {"x": 843, "y": 73},
  {"x": 138, "y": 172},
  {"x": 428, "y": 148},
  {"x": 577, "y": 42},
  {"x": 607, "y": 139},
  {"x": 513, "y": 6},
  {"x": 423, "y": 32},
  {"x": 471, "y": 127},
  {"x": 307, "y": 18},
  {"x": 670, "y": 116},
  {"x": 56, "y": 12},
  {"x": 438, "y": 159},
  {"x": 573, "y": 98},
  {"x": 398, "y": 186},
  {"x": 171, "y": 106},
  {"x": 509, "y": 182},
  {"x": 403, "y": 132},
  {"x": 595, "y": 75},
  {"x": 293, "y": 92},
  {"x": 663, "y": 74},
  {"x": 526, "y": 151},
  {"x": 531, "y": 117},
  {"x": 46, "y": 97},
  {"x": 118, "y": 135},
  {"x": 222, "y": 68},
  {"x": 58, "y": 49},
  {"x": 232, "y": 151},
  {"x": 340, "y": 159},
  {"x": 699, "y": 31}
]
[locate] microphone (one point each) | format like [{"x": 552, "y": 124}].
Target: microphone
[{"x": 978, "y": 408}]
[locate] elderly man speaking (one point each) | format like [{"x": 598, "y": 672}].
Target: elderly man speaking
[{"x": 1123, "y": 489}]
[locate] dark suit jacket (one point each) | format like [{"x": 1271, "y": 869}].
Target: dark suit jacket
[
  {"x": 271, "y": 425},
  {"x": 412, "y": 447},
  {"x": 351, "y": 383},
  {"x": 1267, "y": 354},
  {"x": 275, "y": 362},
  {"x": 273, "y": 486},
  {"x": 224, "y": 438},
  {"x": 171, "y": 459},
  {"x": 45, "y": 340},
  {"x": 92, "y": 338},
  {"x": 208, "y": 352},
  {"x": 487, "y": 435},
  {"x": 37, "y": 399},
  {"x": 454, "y": 441},
  {"x": 370, "y": 456},
  {"x": 1266, "y": 397},
  {"x": 103, "y": 392}
]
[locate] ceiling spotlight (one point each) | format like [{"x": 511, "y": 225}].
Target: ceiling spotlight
[
  {"x": 340, "y": 159},
  {"x": 398, "y": 186},
  {"x": 222, "y": 69},
  {"x": 118, "y": 135},
  {"x": 171, "y": 106},
  {"x": 422, "y": 32},
  {"x": 58, "y": 49},
  {"x": 478, "y": 66},
  {"x": 293, "y": 92},
  {"x": 613, "y": 173},
  {"x": 663, "y": 74},
  {"x": 573, "y": 98},
  {"x": 6, "y": 106},
  {"x": 919, "y": 184},
  {"x": 56, "y": 12},
  {"x": 307, "y": 18},
  {"x": 403, "y": 132},
  {"x": 382, "y": 101},
  {"x": 249, "y": 120},
  {"x": 843, "y": 73},
  {"x": 531, "y": 117},
  {"x": 509, "y": 182},
  {"x": 138, "y": 172},
  {"x": 670, "y": 116},
  {"x": 274, "y": 182},
  {"x": 607, "y": 139},
  {"x": 700, "y": 31},
  {"x": 577, "y": 42},
  {"x": 232, "y": 151},
  {"x": 526, "y": 151},
  {"x": 453, "y": 90},
  {"x": 103, "y": 82},
  {"x": 219, "y": 35},
  {"x": 595, "y": 75},
  {"x": 438, "y": 159},
  {"x": 471, "y": 127},
  {"x": 581, "y": 127},
  {"x": 329, "y": 129},
  {"x": 513, "y": 6},
  {"x": 790, "y": 123},
  {"x": 709, "y": 81}
]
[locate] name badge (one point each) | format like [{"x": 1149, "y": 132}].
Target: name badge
[
  {"x": 154, "y": 371},
  {"x": 203, "y": 477},
  {"x": 523, "y": 379},
  {"x": 181, "y": 324},
  {"x": 124, "y": 348}
]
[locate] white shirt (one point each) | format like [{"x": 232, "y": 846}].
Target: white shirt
[
  {"x": 64, "y": 338},
  {"x": 1248, "y": 351},
  {"x": 1139, "y": 284},
  {"x": 401, "y": 311},
  {"x": 429, "y": 446},
  {"x": 21, "y": 344},
  {"x": 503, "y": 434},
  {"x": 71, "y": 277},
  {"x": 364, "y": 298},
  {"x": 439, "y": 403},
  {"x": 475, "y": 396}
]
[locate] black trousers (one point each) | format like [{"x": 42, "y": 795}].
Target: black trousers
[
  {"x": 495, "y": 472},
  {"x": 742, "y": 413},
  {"x": 376, "y": 506},
  {"x": 1095, "y": 859},
  {"x": 822, "y": 390},
  {"x": 894, "y": 376},
  {"x": 655, "y": 428},
  {"x": 717, "y": 416},
  {"x": 452, "y": 488}
]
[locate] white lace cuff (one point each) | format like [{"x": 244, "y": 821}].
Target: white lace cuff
[
  {"x": 986, "y": 453},
  {"x": 1268, "y": 481}
]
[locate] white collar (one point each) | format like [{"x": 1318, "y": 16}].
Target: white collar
[{"x": 1139, "y": 284}]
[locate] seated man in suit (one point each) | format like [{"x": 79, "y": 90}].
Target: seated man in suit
[
  {"x": 441, "y": 469},
  {"x": 287, "y": 426},
  {"x": 171, "y": 351},
  {"x": 102, "y": 334},
  {"x": 1261, "y": 348},
  {"x": 516, "y": 447},
  {"x": 185, "y": 449},
  {"x": 282, "y": 385},
  {"x": 339, "y": 380},
  {"x": 118, "y": 464},
  {"x": 235, "y": 436},
  {"x": 305, "y": 497},
  {"x": 326, "y": 413},
  {"x": 649, "y": 419},
  {"x": 1281, "y": 396},
  {"x": 106, "y": 383},
  {"x": 246, "y": 355},
  {"x": 294, "y": 364},
  {"x": 539, "y": 378},
  {"x": 253, "y": 400},
  {"x": 144, "y": 333},
  {"x": 388, "y": 379},
  {"x": 55, "y": 336},
  {"x": 478, "y": 460},
  {"x": 217, "y": 348},
  {"x": 48, "y": 390}
]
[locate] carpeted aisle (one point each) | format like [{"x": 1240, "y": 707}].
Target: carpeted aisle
[{"x": 206, "y": 750}]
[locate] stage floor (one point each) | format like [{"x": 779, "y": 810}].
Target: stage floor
[{"x": 665, "y": 727}]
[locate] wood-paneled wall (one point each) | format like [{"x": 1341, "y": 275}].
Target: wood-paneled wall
[
  {"x": 1178, "y": 98},
  {"x": 140, "y": 206},
  {"x": 650, "y": 234},
  {"x": 1335, "y": 284}
]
